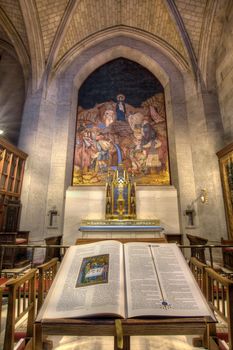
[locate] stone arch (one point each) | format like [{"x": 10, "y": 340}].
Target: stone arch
[
  {"x": 144, "y": 60},
  {"x": 60, "y": 101},
  {"x": 170, "y": 75},
  {"x": 58, "y": 107},
  {"x": 124, "y": 32},
  {"x": 117, "y": 52}
]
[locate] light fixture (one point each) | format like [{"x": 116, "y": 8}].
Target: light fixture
[
  {"x": 190, "y": 210},
  {"x": 203, "y": 195},
  {"x": 1, "y": 132}
]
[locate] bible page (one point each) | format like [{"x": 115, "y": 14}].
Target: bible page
[
  {"x": 89, "y": 282},
  {"x": 160, "y": 283}
]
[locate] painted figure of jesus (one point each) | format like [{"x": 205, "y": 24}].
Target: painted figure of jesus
[{"x": 120, "y": 108}]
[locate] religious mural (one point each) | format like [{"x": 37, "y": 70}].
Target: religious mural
[{"x": 121, "y": 119}]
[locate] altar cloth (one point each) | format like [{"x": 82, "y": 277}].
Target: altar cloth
[
  {"x": 107, "y": 228},
  {"x": 106, "y": 225}
]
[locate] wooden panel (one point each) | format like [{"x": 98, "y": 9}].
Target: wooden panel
[
  {"x": 174, "y": 238},
  {"x": 12, "y": 162},
  {"x": 122, "y": 240},
  {"x": 13, "y": 257}
]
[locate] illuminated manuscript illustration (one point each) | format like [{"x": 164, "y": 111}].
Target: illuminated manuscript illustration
[
  {"x": 93, "y": 270},
  {"x": 121, "y": 119}
]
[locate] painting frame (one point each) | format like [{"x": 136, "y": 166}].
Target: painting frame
[{"x": 225, "y": 157}]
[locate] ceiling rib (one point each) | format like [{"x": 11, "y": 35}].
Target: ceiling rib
[
  {"x": 17, "y": 44},
  {"x": 61, "y": 32},
  {"x": 184, "y": 35},
  {"x": 32, "y": 24}
]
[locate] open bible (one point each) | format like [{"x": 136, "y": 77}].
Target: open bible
[{"x": 109, "y": 278}]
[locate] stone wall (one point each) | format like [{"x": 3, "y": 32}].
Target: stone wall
[
  {"x": 48, "y": 131},
  {"x": 159, "y": 202},
  {"x": 12, "y": 96}
]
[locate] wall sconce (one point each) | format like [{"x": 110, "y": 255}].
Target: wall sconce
[
  {"x": 190, "y": 211},
  {"x": 203, "y": 196}
]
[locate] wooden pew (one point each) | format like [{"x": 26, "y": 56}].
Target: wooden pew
[
  {"x": 196, "y": 252},
  {"x": 52, "y": 252},
  {"x": 45, "y": 277},
  {"x": 14, "y": 257},
  {"x": 198, "y": 270},
  {"x": 227, "y": 254},
  {"x": 219, "y": 293},
  {"x": 215, "y": 295},
  {"x": 21, "y": 301}
]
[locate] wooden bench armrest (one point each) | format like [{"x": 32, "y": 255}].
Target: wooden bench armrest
[{"x": 48, "y": 264}]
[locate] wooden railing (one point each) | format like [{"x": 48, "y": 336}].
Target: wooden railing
[
  {"x": 63, "y": 249},
  {"x": 198, "y": 270},
  {"x": 208, "y": 247},
  {"x": 21, "y": 301},
  {"x": 31, "y": 248},
  {"x": 45, "y": 276},
  {"x": 219, "y": 293},
  {"x": 22, "y": 292},
  {"x": 218, "y": 290}
]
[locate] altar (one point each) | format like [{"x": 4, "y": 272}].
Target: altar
[
  {"x": 121, "y": 228},
  {"x": 99, "y": 212},
  {"x": 120, "y": 211}
]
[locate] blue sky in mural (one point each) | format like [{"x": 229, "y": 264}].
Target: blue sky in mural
[{"x": 119, "y": 76}]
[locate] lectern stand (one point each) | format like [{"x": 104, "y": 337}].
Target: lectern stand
[{"x": 131, "y": 327}]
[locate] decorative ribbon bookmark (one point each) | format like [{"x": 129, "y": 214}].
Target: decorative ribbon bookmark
[{"x": 119, "y": 334}]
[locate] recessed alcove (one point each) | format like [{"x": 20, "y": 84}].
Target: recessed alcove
[
  {"x": 134, "y": 134},
  {"x": 85, "y": 203}
]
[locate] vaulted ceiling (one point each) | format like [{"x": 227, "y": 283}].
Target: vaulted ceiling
[{"x": 42, "y": 32}]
